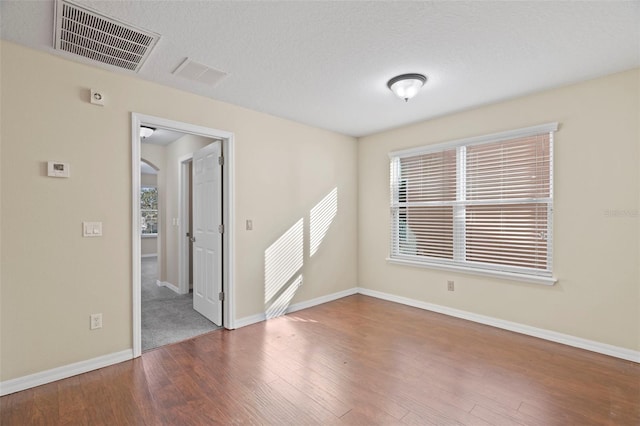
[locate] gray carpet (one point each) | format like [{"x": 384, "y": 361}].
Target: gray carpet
[{"x": 167, "y": 317}]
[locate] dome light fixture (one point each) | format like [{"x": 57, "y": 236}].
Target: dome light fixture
[
  {"x": 406, "y": 86},
  {"x": 145, "y": 131}
]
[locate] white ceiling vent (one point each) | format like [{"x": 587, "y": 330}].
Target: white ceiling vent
[
  {"x": 196, "y": 71},
  {"x": 87, "y": 33}
]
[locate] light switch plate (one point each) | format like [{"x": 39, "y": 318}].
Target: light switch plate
[{"x": 91, "y": 229}]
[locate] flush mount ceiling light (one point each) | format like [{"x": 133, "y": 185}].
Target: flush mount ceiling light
[
  {"x": 145, "y": 131},
  {"x": 406, "y": 86}
]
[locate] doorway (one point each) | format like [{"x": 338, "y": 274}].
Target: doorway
[
  {"x": 171, "y": 312},
  {"x": 178, "y": 223}
]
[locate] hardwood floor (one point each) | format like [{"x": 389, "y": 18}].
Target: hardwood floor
[{"x": 355, "y": 361}]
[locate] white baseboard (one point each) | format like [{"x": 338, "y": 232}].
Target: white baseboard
[
  {"x": 149, "y": 255},
  {"x": 41, "y": 378},
  {"x": 168, "y": 285},
  {"x": 322, "y": 299},
  {"x": 48, "y": 376},
  {"x": 243, "y": 322},
  {"x": 553, "y": 336},
  {"x": 252, "y": 319}
]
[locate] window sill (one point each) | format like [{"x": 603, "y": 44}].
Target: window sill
[
  {"x": 149, "y": 236},
  {"x": 482, "y": 272}
]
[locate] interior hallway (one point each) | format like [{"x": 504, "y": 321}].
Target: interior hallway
[{"x": 167, "y": 317}]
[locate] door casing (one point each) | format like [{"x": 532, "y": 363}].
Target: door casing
[{"x": 228, "y": 198}]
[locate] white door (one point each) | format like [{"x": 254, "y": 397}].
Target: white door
[{"x": 207, "y": 218}]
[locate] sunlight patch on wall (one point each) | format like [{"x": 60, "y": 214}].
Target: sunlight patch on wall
[
  {"x": 279, "y": 306},
  {"x": 320, "y": 219},
  {"x": 283, "y": 259}
]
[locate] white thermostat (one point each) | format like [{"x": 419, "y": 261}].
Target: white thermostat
[{"x": 58, "y": 169}]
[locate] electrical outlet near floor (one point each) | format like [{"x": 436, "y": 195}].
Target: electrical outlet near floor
[
  {"x": 96, "y": 321},
  {"x": 450, "y": 285}
]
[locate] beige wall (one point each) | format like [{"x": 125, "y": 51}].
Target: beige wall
[
  {"x": 147, "y": 179},
  {"x": 282, "y": 170},
  {"x": 595, "y": 255},
  {"x": 148, "y": 246}
]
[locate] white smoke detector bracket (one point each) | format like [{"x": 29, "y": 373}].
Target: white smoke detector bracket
[{"x": 97, "y": 97}]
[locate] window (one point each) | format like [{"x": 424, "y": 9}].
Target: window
[
  {"x": 149, "y": 210},
  {"x": 481, "y": 205}
]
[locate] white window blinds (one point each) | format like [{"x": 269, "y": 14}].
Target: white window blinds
[
  {"x": 482, "y": 203},
  {"x": 426, "y": 195}
]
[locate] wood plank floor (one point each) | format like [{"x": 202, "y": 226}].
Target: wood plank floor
[{"x": 355, "y": 361}]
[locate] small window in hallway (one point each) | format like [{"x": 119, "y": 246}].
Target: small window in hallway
[{"x": 149, "y": 210}]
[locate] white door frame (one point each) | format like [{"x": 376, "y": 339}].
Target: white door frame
[
  {"x": 183, "y": 226},
  {"x": 228, "y": 203}
]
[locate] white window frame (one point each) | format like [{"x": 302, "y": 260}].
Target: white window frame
[{"x": 458, "y": 263}]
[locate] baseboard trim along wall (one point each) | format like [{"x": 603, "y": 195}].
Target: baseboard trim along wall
[
  {"x": 252, "y": 319},
  {"x": 553, "y": 336},
  {"x": 243, "y": 322},
  {"x": 322, "y": 299},
  {"x": 58, "y": 373},
  {"x": 44, "y": 377},
  {"x": 168, "y": 285}
]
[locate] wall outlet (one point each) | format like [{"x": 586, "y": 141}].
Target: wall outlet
[
  {"x": 450, "y": 285},
  {"x": 95, "y": 321}
]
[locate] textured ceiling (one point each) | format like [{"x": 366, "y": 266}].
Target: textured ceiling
[{"x": 327, "y": 63}]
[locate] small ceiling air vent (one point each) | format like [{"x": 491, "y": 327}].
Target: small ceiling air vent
[
  {"x": 202, "y": 73},
  {"x": 84, "y": 32}
]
